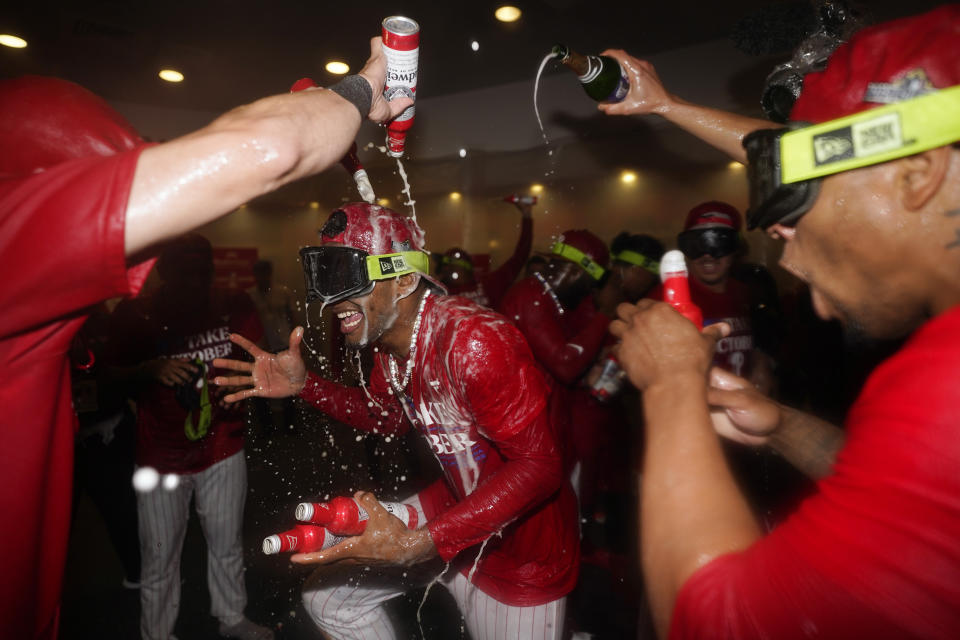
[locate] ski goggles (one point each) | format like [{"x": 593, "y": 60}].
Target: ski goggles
[
  {"x": 713, "y": 241},
  {"x": 639, "y": 260},
  {"x": 575, "y": 255},
  {"x": 785, "y": 166},
  {"x": 333, "y": 274}
]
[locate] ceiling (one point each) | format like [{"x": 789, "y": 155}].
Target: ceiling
[{"x": 233, "y": 51}]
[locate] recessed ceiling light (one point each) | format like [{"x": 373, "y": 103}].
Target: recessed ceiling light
[
  {"x": 463, "y": 153},
  {"x": 507, "y": 13},
  {"x": 12, "y": 41},
  {"x": 627, "y": 177},
  {"x": 735, "y": 165},
  {"x": 314, "y": 205},
  {"x": 383, "y": 202},
  {"x": 171, "y": 75},
  {"x": 475, "y": 45},
  {"x": 337, "y": 67},
  {"x": 455, "y": 195},
  {"x": 536, "y": 187}
]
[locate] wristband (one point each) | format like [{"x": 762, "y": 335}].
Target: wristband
[{"x": 355, "y": 90}]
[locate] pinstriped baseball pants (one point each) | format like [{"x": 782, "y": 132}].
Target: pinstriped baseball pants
[{"x": 220, "y": 492}]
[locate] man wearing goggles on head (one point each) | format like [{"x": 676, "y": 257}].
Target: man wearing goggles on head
[
  {"x": 866, "y": 195},
  {"x": 464, "y": 377}
]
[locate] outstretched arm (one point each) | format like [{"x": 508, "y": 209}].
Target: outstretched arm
[
  {"x": 185, "y": 183},
  {"x": 691, "y": 509},
  {"x": 721, "y": 129}
]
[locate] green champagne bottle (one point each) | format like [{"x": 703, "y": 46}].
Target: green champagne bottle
[{"x": 601, "y": 76}]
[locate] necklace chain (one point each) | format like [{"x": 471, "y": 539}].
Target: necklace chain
[
  {"x": 549, "y": 291},
  {"x": 400, "y": 385}
]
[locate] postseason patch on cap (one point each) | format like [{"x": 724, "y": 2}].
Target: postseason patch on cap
[{"x": 913, "y": 84}]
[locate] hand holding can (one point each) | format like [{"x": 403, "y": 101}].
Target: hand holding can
[{"x": 401, "y": 47}]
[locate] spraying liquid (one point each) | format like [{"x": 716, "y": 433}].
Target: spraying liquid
[
  {"x": 406, "y": 191},
  {"x": 536, "y": 90}
]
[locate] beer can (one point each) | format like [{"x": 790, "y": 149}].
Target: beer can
[{"x": 401, "y": 47}]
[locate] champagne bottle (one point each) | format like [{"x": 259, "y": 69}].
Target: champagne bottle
[{"x": 601, "y": 76}]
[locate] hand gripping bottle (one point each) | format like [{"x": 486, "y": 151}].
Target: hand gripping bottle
[
  {"x": 345, "y": 517},
  {"x": 676, "y": 287},
  {"x": 401, "y": 47},
  {"x": 350, "y": 162},
  {"x": 601, "y": 76},
  {"x": 303, "y": 538}
]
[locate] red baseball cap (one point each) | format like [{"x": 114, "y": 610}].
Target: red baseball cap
[
  {"x": 374, "y": 229},
  {"x": 885, "y": 63},
  {"x": 587, "y": 243},
  {"x": 713, "y": 214},
  {"x": 46, "y": 121}
]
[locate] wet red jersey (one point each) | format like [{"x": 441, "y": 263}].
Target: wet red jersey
[
  {"x": 876, "y": 552},
  {"x": 489, "y": 288},
  {"x": 480, "y": 399},
  {"x": 62, "y": 251}
]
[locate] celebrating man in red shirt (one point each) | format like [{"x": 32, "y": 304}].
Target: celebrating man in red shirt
[
  {"x": 503, "y": 513},
  {"x": 867, "y": 200}
]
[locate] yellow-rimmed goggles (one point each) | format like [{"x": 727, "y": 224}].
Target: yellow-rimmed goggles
[
  {"x": 337, "y": 273},
  {"x": 640, "y": 260},
  {"x": 575, "y": 255},
  {"x": 784, "y": 165}
]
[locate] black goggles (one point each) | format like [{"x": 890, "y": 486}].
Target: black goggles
[
  {"x": 786, "y": 166},
  {"x": 713, "y": 241},
  {"x": 772, "y": 201},
  {"x": 333, "y": 274}
]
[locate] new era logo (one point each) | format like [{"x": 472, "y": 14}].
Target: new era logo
[
  {"x": 392, "y": 264},
  {"x": 859, "y": 140}
]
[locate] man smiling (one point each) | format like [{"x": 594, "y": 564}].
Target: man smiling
[{"x": 466, "y": 380}]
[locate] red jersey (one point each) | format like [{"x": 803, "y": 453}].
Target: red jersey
[
  {"x": 479, "y": 398},
  {"x": 62, "y": 251},
  {"x": 876, "y": 553},
  {"x": 156, "y": 327},
  {"x": 488, "y": 290}
]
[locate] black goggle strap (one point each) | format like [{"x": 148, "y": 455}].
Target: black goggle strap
[
  {"x": 640, "y": 260},
  {"x": 575, "y": 255},
  {"x": 871, "y": 137},
  {"x": 391, "y": 265}
]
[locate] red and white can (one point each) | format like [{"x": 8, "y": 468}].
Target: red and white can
[
  {"x": 401, "y": 47},
  {"x": 345, "y": 517},
  {"x": 303, "y": 538}
]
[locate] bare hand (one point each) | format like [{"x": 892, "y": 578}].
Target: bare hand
[
  {"x": 170, "y": 371},
  {"x": 739, "y": 411},
  {"x": 658, "y": 344},
  {"x": 385, "y": 541},
  {"x": 375, "y": 72},
  {"x": 270, "y": 375},
  {"x": 646, "y": 94}
]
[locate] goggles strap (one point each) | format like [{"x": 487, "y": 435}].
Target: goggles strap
[
  {"x": 391, "y": 265},
  {"x": 457, "y": 262},
  {"x": 871, "y": 137},
  {"x": 640, "y": 260},
  {"x": 575, "y": 255}
]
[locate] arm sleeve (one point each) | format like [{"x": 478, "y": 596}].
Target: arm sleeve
[
  {"x": 62, "y": 234},
  {"x": 497, "y": 282},
  {"x": 379, "y": 413},
  {"x": 566, "y": 360},
  {"x": 511, "y": 412}
]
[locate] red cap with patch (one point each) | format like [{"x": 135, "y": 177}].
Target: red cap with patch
[
  {"x": 374, "y": 229},
  {"x": 883, "y": 64},
  {"x": 46, "y": 121},
  {"x": 713, "y": 214}
]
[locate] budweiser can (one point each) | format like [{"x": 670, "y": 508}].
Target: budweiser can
[
  {"x": 303, "y": 538},
  {"x": 401, "y": 46}
]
